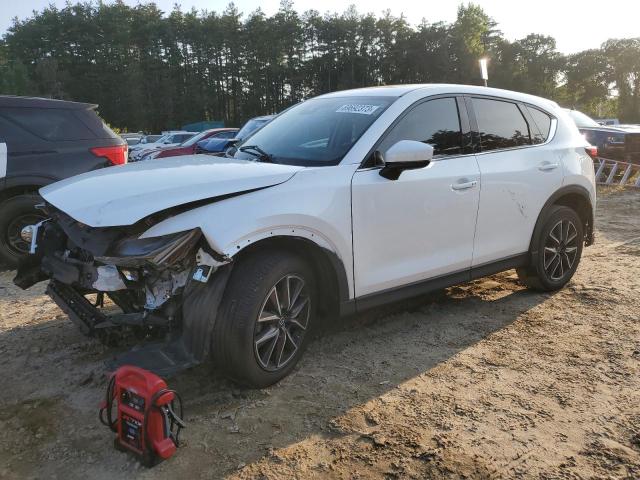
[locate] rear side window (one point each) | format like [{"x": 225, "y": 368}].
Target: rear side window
[
  {"x": 91, "y": 119},
  {"x": 501, "y": 124},
  {"x": 542, "y": 122},
  {"x": 435, "y": 122},
  {"x": 11, "y": 134},
  {"x": 54, "y": 124}
]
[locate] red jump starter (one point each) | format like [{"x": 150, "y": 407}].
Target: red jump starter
[{"x": 145, "y": 422}]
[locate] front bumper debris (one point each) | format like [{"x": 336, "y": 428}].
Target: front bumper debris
[{"x": 148, "y": 280}]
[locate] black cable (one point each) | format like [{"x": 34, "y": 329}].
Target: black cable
[
  {"x": 177, "y": 419},
  {"x": 174, "y": 419},
  {"x": 108, "y": 420}
]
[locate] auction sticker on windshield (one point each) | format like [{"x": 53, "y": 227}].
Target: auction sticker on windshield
[{"x": 358, "y": 108}]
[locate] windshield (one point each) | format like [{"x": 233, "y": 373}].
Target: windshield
[
  {"x": 582, "y": 120},
  {"x": 251, "y": 126},
  {"x": 317, "y": 132}
]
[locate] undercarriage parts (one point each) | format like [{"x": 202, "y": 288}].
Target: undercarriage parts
[
  {"x": 108, "y": 279},
  {"x": 76, "y": 306}
]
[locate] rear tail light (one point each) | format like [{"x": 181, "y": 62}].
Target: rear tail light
[
  {"x": 592, "y": 151},
  {"x": 117, "y": 154}
]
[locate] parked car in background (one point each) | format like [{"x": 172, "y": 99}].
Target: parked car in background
[
  {"x": 221, "y": 145},
  {"x": 607, "y": 121},
  {"x": 616, "y": 142},
  {"x": 169, "y": 140},
  {"x": 189, "y": 147},
  {"x": 132, "y": 138},
  {"x": 340, "y": 204},
  {"x": 150, "y": 139},
  {"x": 43, "y": 141}
]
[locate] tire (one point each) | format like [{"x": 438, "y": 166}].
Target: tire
[
  {"x": 16, "y": 213},
  {"x": 260, "y": 353},
  {"x": 555, "y": 251}
]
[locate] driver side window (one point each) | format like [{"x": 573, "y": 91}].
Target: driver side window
[{"x": 435, "y": 122}]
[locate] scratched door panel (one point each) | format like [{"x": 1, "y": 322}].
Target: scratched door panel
[{"x": 513, "y": 191}]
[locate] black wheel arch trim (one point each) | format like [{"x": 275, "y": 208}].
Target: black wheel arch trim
[
  {"x": 32, "y": 182},
  {"x": 551, "y": 201},
  {"x": 325, "y": 261}
]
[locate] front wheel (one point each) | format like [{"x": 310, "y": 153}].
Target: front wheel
[
  {"x": 265, "y": 317},
  {"x": 559, "y": 248}
]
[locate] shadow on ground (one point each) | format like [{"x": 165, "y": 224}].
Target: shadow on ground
[{"x": 350, "y": 362}]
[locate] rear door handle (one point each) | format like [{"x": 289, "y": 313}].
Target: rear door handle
[
  {"x": 545, "y": 167},
  {"x": 464, "y": 186}
]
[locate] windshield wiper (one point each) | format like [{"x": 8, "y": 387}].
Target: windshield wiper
[{"x": 256, "y": 151}]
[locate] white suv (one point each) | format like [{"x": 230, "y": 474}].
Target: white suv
[{"x": 341, "y": 203}]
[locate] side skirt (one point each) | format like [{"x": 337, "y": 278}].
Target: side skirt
[{"x": 423, "y": 287}]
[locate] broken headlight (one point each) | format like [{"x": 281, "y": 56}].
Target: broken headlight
[{"x": 157, "y": 251}]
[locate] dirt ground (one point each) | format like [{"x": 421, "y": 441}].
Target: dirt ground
[{"x": 483, "y": 380}]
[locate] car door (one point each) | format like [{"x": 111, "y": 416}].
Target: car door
[
  {"x": 519, "y": 171},
  {"x": 421, "y": 225}
]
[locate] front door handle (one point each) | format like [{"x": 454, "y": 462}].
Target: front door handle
[
  {"x": 464, "y": 186},
  {"x": 545, "y": 167}
]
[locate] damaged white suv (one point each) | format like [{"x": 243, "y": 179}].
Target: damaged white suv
[{"x": 341, "y": 203}]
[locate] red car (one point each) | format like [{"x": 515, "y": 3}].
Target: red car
[{"x": 189, "y": 147}]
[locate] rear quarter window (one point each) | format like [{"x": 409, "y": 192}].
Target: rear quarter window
[
  {"x": 53, "y": 124},
  {"x": 542, "y": 122}
]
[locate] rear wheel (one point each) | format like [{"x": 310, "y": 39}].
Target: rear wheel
[
  {"x": 559, "y": 246},
  {"x": 15, "y": 214},
  {"x": 265, "y": 317}
]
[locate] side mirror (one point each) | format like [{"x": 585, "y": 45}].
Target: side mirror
[{"x": 405, "y": 155}]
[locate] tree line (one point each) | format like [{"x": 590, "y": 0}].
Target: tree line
[{"x": 151, "y": 71}]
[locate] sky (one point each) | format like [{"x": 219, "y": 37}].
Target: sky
[{"x": 575, "y": 24}]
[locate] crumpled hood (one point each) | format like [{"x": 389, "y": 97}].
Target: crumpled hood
[{"x": 122, "y": 195}]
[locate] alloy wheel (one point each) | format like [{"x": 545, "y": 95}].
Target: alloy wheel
[
  {"x": 282, "y": 323},
  {"x": 560, "y": 249}
]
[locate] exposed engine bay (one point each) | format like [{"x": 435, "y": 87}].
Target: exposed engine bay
[{"x": 150, "y": 280}]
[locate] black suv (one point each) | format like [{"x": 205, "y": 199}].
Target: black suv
[
  {"x": 615, "y": 142},
  {"x": 43, "y": 141}
]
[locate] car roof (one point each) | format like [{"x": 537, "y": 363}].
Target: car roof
[
  {"x": 220, "y": 129},
  {"x": 439, "y": 88},
  {"x": 37, "y": 102},
  {"x": 381, "y": 91}
]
